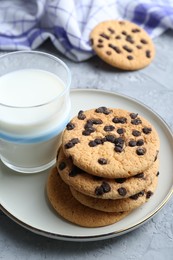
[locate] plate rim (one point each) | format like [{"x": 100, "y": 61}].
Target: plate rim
[
  {"x": 113, "y": 233},
  {"x": 92, "y": 237}
]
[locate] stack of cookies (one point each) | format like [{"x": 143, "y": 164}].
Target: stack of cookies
[{"x": 107, "y": 166}]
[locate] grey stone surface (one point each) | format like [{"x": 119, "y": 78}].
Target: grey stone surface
[{"x": 154, "y": 240}]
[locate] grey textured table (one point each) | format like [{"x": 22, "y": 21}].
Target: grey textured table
[{"x": 154, "y": 240}]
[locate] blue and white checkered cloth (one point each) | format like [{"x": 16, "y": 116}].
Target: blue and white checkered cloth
[{"x": 68, "y": 23}]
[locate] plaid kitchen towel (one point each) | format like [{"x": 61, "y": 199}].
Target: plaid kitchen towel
[{"x": 27, "y": 24}]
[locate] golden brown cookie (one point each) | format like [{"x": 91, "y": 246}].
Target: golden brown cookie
[
  {"x": 122, "y": 44},
  {"x": 119, "y": 205},
  {"x": 69, "y": 208},
  {"x": 110, "y": 142},
  {"x": 101, "y": 187}
]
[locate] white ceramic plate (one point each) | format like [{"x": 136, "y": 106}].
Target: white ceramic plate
[{"x": 23, "y": 197}]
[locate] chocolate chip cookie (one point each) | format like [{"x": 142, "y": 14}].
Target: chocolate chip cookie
[
  {"x": 117, "y": 205},
  {"x": 100, "y": 187},
  {"x": 110, "y": 142},
  {"x": 66, "y": 206},
  {"x": 122, "y": 44}
]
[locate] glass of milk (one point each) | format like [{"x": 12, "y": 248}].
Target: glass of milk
[{"x": 34, "y": 109}]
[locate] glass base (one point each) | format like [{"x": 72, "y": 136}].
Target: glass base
[{"x": 28, "y": 170}]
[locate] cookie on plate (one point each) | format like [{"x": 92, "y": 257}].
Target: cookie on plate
[
  {"x": 69, "y": 208},
  {"x": 99, "y": 187},
  {"x": 122, "y": 44},
  {"x": 117, "y": 205},
  {"x": 110, "y": 142}
]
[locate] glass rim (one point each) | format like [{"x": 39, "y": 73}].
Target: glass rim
[{"x": 50, "y": 56}]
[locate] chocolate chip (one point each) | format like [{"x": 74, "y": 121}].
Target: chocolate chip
[
  {"x": 121, "y": 120},
  {"x": 105, "y": 36},
  {"x": 142, "y": 193},
  {"x": 137, "y": 195},
  {"x": 129, "y": 57},
  {"x": 103, "y": 140},
  {"x": 149, "y": 194},
  {"x": 69, "y": 145},
  {"x": 115, "y": 48},
  {"x": 122, "y": 191},
  {"x": 102, "y": 161},
  {"x": 62, "y": 166},
  {"x": 81, "y": 115},
  {"x": 124, "y": 32},
  {"x": 120, "y": 180},
  {"x": 109, "y": 128},
  {"x": 126, "y": 48},
  {"x": 70, "y": 126},
  {"x": 75, "y": 171},
  {"x": 140, "y": 151},
  {"x": 133, "y": 115},
  {"x": 110, "y": 138},
  {"x": 111, "y": 30},
  {"x": 139, "y": 175},
  {"x": 108, "y": 52},
  {"x": 106, "y": 187},
  {"x": 118, "y": 149},
  {"x": 132, "y": 143},
  {"x": 99, "y": 191},
  {"x": 120, "y": 131},
  {"x": 92, "y": 144},
  {"x": 100, "y": 109},
  {"x": 91, "y": 41},
  {"x": 148, "y": 54},
  {"x": 136, "y": 121},
  {"x": 116, "y": 120},
  {"x": 140, "y": 142},
  {"x": 118, "y": 37},
  {"x": 97, "y": 121},
  {"x": 100, "y": 40},
  {"x": 100, "y": 46},
  {"x": 98, "y": 141},
  {"x": 103, "y": 110},
  {"x": 88, "y": 125},
  {"x": 146, "y": 130},
  {"x": 129, "y": 39},
  {"x": 139, "y": 47},
  {"x": 144, "y": 41},
  {"x": 136, "y": 133},
  {"x": 103, "y": 188},
  {"x": 136, "y": 30},
  {"x": 121, "y": 22},
  {"x": 88, "y": 131},
  {"x": 157, "y": 174},
  {"x": 119, "y": 142},
  {"x": 75, "y": 141},
  {"x": 72, "y": 143}
]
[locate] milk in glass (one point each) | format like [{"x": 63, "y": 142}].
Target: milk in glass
[{"x": 34, "y": 109}]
